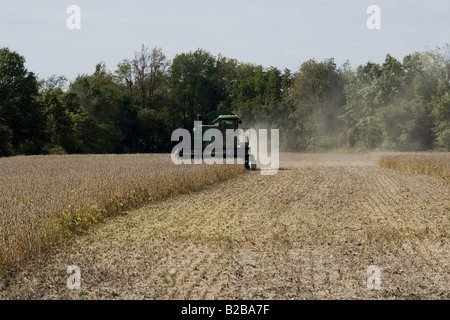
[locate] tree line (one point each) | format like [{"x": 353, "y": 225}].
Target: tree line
[{"x": 397, "y": 105}]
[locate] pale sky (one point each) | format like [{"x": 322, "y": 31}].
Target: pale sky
[{"x": 279, "y": 33}]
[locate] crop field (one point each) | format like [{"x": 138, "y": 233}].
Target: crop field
[
  {"x": 315, "y": 230},
  {"x": 436, "y": 165},
  {"x": 45, "y": 198}
]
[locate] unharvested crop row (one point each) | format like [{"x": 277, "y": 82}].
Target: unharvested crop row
[
  {"x": 45, "y": 198},
  {"x": 436, "y": 164}
]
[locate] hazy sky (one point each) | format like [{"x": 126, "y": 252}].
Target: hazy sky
[{"x": 280, "y": 33}]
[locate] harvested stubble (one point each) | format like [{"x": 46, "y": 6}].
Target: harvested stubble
[
  {"x": 45, "y": 198},
  {"x": 434, "y": 164}
]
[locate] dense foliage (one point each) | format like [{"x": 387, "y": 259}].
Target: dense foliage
[{"x": 396, "y": 105}]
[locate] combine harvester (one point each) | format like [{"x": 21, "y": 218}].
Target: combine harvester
[{"x": 219, "y": 120}]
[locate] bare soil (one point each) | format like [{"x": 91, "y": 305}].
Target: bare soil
[{"x": 308, "y": 232}]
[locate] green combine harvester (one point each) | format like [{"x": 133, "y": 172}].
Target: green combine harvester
[{"x": 223, "y": 120}]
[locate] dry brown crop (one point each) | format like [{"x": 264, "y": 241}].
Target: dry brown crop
[
  {"x": 45, "y": 198},
  {"x": 436, "y": 164}
]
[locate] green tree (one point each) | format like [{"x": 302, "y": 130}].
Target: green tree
[
  {"x": 149, "y": 70},
  {"x": 6, "y": 135},
  {"x": 22, "y": 119},
  {"x": 105, "y": 101},
  {"x": 194, "y": 84},
  {"x": 374, "y": 106},
  {"x": 59, "y": 121},
  {"x": 317, "y": 99},
  {"x": 94, "y": 137},
  {"x": 258, "y": 93},
  {"x": 226, "y": 77}
]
